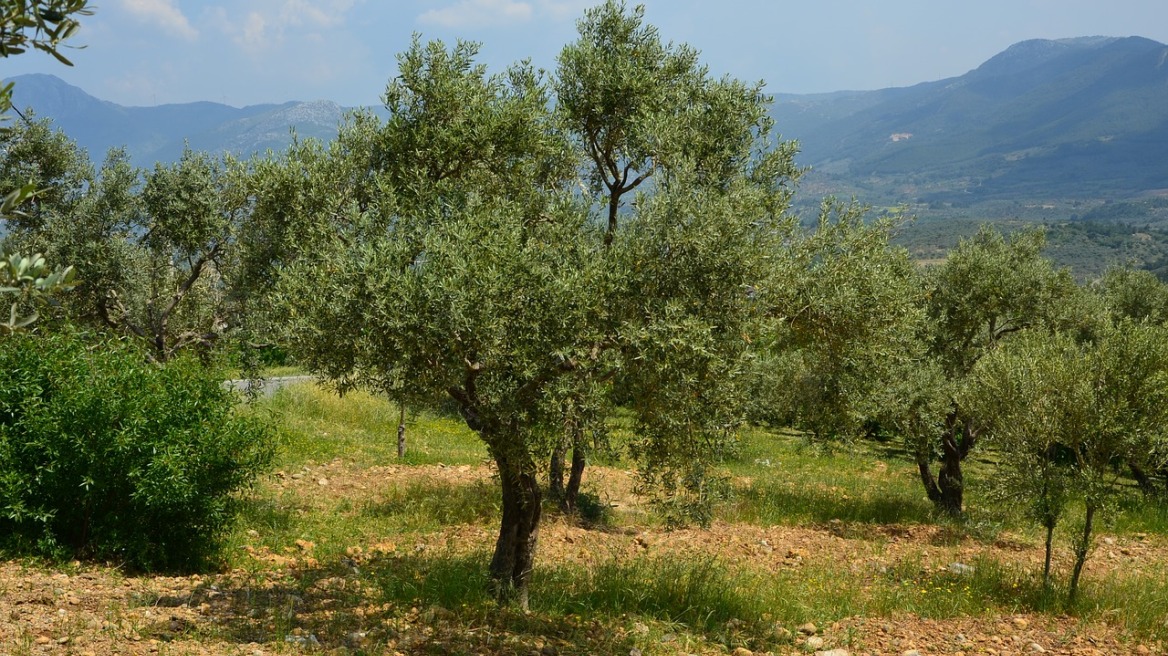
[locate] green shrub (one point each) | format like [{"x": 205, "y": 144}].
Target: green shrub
[{"x": 104, "y": 455}]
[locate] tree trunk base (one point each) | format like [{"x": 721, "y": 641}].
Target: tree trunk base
[
  {"x": 514, "y": 556},
  {"x": 572, "y": 494}
]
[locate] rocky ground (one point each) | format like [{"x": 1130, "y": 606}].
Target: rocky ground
[{"x": 293, "y": 599}]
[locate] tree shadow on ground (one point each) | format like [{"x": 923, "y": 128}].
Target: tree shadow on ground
[{"x": 385, "y": 604}]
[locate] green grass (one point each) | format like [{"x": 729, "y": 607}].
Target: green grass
[
  {"x": 318, "y": 426},
  {"x": 656, "y": 603},
  {"x": 793, "y": 482}
]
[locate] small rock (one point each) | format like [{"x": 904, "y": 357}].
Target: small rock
[
  {"x": 1035, "y": 648},
  {"x": 782, "y": 634},
  {"x": 808, "y": 629},
  {"x": 911, "y": 652},
  {"x": 814, "y": 642},
  {"x": 63, "y": 641},
  {"x": 1141, "y": 649},
  {"x": 634, "y": 652},
  {"x": 356, "y": 638},
  {"x": 961, "y": 569},
  {"x": 548, "y": 650},
  {"x": 1108, "y": 540},
  {"x": 297, "y": 476},
  {"x": 742, "y": 651},
  {"x": 668, "y": 637},
  {"x": 833, "y": 652},
  {"x": 641, "y": 628},
  {"x": 252, "y": 533},
  {"x": 1021, "y": 623},
  {"x": 323, "y": 482}
]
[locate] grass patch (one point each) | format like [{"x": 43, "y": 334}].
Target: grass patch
[
  {"x": 319, "y": 425},
  {"x": 428, "y": 506},
  {"x": 792, "y": 482}
]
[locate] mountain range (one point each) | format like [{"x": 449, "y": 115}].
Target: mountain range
[
  {"x": 153, "y": 134},
  {"x": 1084, "y": 117},
  {"x": 1072, "y": 118}
]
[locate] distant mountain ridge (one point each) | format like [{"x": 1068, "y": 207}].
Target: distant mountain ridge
[
  {"x": 1084, "y": 117},
  {"x": 1077, "y": 117},
  {"x": 159, "y": 133}
]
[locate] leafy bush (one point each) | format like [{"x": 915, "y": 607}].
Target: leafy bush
[{"x": 104, "y": 455}]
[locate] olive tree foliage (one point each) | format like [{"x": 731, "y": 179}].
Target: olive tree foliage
[
  {"x": 847, "y": 326},
  {"x": 42, "y": 174},
  {"x": 637, "y": 110},
  {"x": 990, "y": 288},
  {"x": 483, "y": 275},
  {"x": 42, "y": 25},
  {"x": 1135, "y": 294},
  {"x": 1065, "y": 412},
  {"x": 152, "y": 248}
]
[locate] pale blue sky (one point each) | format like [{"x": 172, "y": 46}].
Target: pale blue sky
[{"x": 145, "y": 52}]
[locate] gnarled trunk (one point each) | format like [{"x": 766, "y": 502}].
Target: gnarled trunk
[
  {"x": 575, "y": 477},
  {"x": 518, "y": 533},
  {"x": 947, "y": 490}
]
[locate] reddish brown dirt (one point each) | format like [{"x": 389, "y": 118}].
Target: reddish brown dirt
[{"x": 288, "y": 599}]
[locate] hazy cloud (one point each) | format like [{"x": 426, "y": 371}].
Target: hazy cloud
[
  {"x": 163, "y": 13},
  {"x": 472, "y": 13},
  {"x": 264, "y": 27},
  {"x": 564, "y": 9}
]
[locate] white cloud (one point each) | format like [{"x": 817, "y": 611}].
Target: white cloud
[
  {"x": 565, "y": 9},
  {"x": 163, "y": 13},
  {"x": 475, "y": 13},
  {"x": 265, "y": 26}
]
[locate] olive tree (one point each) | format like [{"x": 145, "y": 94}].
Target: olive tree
[
  {"x": 848, "y": 323},
  {"x": 505, "y": 283},
  {"x": 990, "y": 288},
  {"x": 636, "y": 110},
  {"x": 42, "y": 25},
  {"x": 153, "y": 250},
  {"x": 1063, "y": 412}
]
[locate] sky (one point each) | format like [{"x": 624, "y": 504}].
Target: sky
[{"x": 243, "y": 52}]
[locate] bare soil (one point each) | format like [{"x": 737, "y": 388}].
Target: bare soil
[{"x": 266, "y": 607}]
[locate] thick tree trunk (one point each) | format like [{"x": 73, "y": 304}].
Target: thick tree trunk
[
  {"x": 401, "y": 431},
  {"x": 947, "y": 489},
  {"x": 924, "y": 466},
  {"x": 951, "y": 482},
  {"x": 556, "y": 472},
  {"x": 575, "y": 477},
  {"x": 1082, "y": 547},
  {"x": 515, "y": 549}
]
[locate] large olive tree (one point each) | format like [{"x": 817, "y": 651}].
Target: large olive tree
[
  {"x": 637, "y": 110},
  {"x": 505, "y": 283},
  {"x": 991, "y": 287}
]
